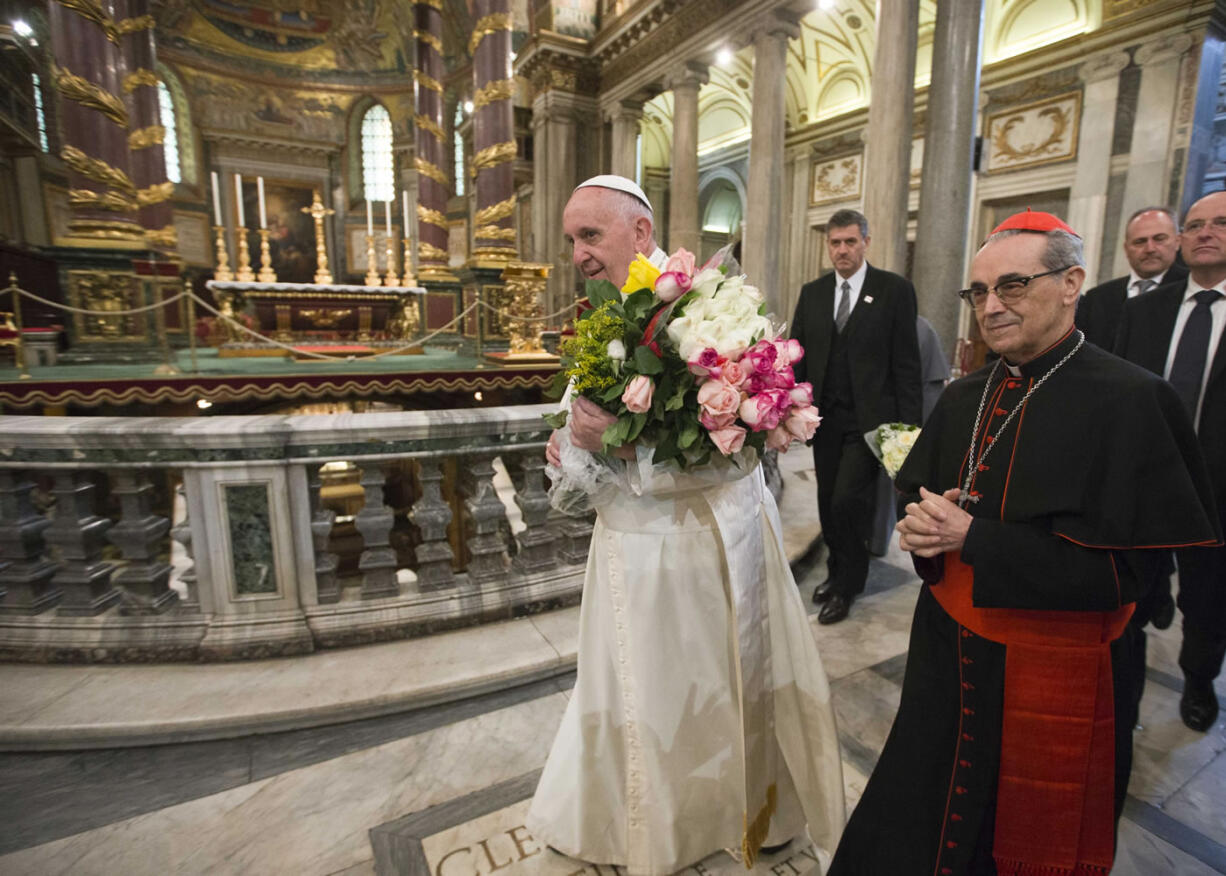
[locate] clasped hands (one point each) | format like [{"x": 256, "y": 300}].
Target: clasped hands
[
  {"x": 587, "y": 424},
  {"x": 933, "y": 525}
]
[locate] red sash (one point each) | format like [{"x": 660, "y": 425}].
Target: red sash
[{"x": 1055, "y": 806}]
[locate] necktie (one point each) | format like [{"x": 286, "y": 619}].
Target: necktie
[
  {"x": 1188, "y": 369},
  {"x": 1144, "y": 286},
  {"x": 844, "y": 309}
]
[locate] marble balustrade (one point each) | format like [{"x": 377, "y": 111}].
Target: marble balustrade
[{"x": 152, "y": 539}]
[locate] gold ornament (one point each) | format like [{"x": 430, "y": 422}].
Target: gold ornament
[
  {"x": 494, "y": 212},
  {"x": 428, "y": 124},
  {"x": 91, "y": 10},
  {"x": 490, "y": 92},
  {"x": 427, "y": 81},
  {"x": 137, "y": 78},
  {"x": 425, "y": 168},
  {"x": 155, "y": 194},
  {"x": 163, "y": 238},
  {"x": 434, "y": 217},
  {"x": 429, "y": 39},
  {"x": 428, "y": 252},
  {"x": 222, "y": 272},
  {"x": 143, "y": 138},
  {"x": 493, "y": 232},
  {"x": 495, "y": 22},
  {"x": 96, "y": 169},
  {"x": 112, "y": 201},
  {"x": 266, "y": 274},
  {"x": 90, "y": 95},
  {"x": 435, "y": 4},
  {"x": 317, "y": 211},
  {"x": 132, "y": 25},
  {"x": 492, "y": 156}
]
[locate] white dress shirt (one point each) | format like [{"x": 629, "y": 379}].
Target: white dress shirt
[
  {"x": 855, "y": 282},
  {"x": 1218, "y": 314}
]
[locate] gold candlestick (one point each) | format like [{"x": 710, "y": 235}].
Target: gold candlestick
[
  {"x": 408, "y": 279},
  {"x": 372, "y": 270},
  {"x": 318, "y": 211},
  {"x": 222, "y": 271},
  {"x": 244, "y": 274},
  {"x": 267, "y": 274},
  {"x": 391, "y": 279}
]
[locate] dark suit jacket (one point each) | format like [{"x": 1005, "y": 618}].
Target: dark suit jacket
[
  {"x": 1098, "y": 311},
  {"x": 883, "y": 351},
  {"x": 1144, "y": 337}
]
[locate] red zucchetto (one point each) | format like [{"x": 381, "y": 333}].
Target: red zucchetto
[{"x": 1029, "y": 220}]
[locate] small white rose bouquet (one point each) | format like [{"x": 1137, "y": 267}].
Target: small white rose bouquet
[{"x": 890, "y": 443}]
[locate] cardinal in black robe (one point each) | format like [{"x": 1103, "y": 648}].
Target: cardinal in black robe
[{"x": 1009, "y": 753}]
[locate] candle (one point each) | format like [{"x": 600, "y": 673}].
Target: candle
[
  {"x": 259, "y": 182},
  {"x": 387, "y": 216},
  {"x": 238, "y": 194},
  {"x": 370, "y": 222},
  {"x": 405, "y": 195},
  {"x": 216, "y": 201}
]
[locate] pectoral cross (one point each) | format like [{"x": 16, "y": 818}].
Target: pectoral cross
[
  {"x": 318, "y": 211},
  {"x": 964, "y": 497}
]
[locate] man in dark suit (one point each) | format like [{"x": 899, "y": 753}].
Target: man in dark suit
[
  {"x": 1151, "y": 242},
  {"x": 1176, "y": 331},
  {"x": 857, "y": 325}
]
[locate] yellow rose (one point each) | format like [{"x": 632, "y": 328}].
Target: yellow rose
[{"x": 643, "y": 275}]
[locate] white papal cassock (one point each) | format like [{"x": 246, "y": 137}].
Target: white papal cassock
[{"x": 701, "y": 712}]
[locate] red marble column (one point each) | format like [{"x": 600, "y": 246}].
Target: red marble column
[
  {"x": 433, "y": 181},
  {"x": 94, "y": 124},
  {"x": 493, "y": 132},
  {"x": 146, "y": 133}
]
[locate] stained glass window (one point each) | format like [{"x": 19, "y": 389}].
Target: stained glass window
[
  {"x": 170, "y": 145},
  {"x": 378, "y": 177},
  {"x": 39, "y": 113},
  {"x": 459, "y": 152}
]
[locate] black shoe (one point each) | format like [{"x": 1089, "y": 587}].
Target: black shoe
[
  {"x": 835, "y": 609},
  {"x": 1163, "y": 614},
  {"x": 823, "y": 592},
  {"x": 774, "y": 850},
  {"x": 1198, "y": 705}
]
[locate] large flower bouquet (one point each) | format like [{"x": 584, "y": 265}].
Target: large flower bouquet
[
  {"x": 890, "y": 443},
  {"x": 689, "y": 363}
]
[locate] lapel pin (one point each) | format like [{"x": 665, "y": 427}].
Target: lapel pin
[{"x": 868, "y": 299}]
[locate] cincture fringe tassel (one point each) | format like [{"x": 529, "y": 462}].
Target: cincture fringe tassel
[
  {"x": 1018, "y": 868},
  {"x": 756, "y": 830}
]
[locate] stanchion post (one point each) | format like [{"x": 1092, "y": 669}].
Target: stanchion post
[
  {"x": 20, "y": 348},
  {"x": 191, "y": 327},
  {"x": 159, "y": 322},
  {"x": 480, "y": 345}
]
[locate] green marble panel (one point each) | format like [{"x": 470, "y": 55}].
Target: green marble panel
[{"x": 251, "y": 553}]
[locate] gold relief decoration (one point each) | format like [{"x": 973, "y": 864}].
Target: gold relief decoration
[
  {"x": 111, "y": 201},
  {"x": 492, "y": 156},
  {"x": 436, "y": 4},
  {"x": 143, "y": 138},
  {"x": 428, "y": 124},
  {"x": 431, "y": 253},
  {"x": 429, "y": 39},
  {"x": 137, "y": 78},
  {"x": 93, "y": 11},
  {"x": 101, "y": 229},
  {"x": 493, "y": 232},
  {"x": 498, "y": 89},
  {"x": 836, "y": 180},
  {"x": 324, "y": 318},
  {"x": 163, "y": 238},
  {"x": 155, "y": 194},
  {"x": 132, "y": 25},
  {"x": 493, "y": 23},
  {"x": 425, "y": 168},
  {"x": 1038, "y": 133},
  {"x": 434, "y": 217},
  {"x": 494, "y": 212},
  {"x": 93, "y": 96},
  {"x": 104, "y": 293},
  {"x": 427, "y": 81},
  {"x": 96, "y": 169}
]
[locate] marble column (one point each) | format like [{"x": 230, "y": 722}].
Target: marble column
[
  {"x": 626, "y": 117},
  {"x": 761, "y": 254},
  {"x": 1088, "y": 197},
  {"x": 1201, "y": 119},
  {"x": 683, "y": 180},
  {"x": 1147, "y": 182},
  {"x": 146, "y": 133},
  {"x": 434, "y": 182},
  {"x": 949, "y": 145},
  {"x": 493, "y": 133},
  {"x": 89, "y": 71},
  {"x": 887, "y": 138}
]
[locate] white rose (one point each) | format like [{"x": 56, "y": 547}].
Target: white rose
[
  {"x": 616, "y": 350},
  {"x": 706, "y": 283}
]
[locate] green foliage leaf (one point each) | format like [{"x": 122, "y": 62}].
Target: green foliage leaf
[
  {"x": 557, "y": 419},
  {"x": 689, "y": 434},
  {"x": 600, "y": 291},
  {"x": 637, "y": 422},
  {"x": 646, "y": 361}
]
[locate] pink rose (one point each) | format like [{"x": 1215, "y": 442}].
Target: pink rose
[
  {"x": 771, "y": 380},
  {"x": 732, "y": 374},
  {"x": 760, "y": 358},
  {"x": 778, "y": 438},
  {"x": 714, "y": 424},
  {"x": 718, "y": 398},
  {"x": 671, "y": 285},
  {"x": 787, "y": 352},
  {"x": 637, "y": 397},
  {"x": 708, "y": 363},
  {"x": 802, "y": 422},
  {"x": 801, "y": 394},
  {"x": 682, "y": 262},
  {"x": 729, "y": 440},
  {"x": 759, "y": 412}
]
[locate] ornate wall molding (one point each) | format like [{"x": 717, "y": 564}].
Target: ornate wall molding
[
  {"x": 1034, "y": 134},
  {"x": 1165, "y": 48},
  {"x": 837, "y": 179},
  {"x": 1106, "y": 66}
]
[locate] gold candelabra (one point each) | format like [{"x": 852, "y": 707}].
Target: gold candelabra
[
  {"x": 317, "y": 211},
  {"x": 222, "y": 272},
  {"x": 408, "y": 279},
  {"x": 391, "y": 279},
  {"x": 372, "y": 270},
  {"x": 245, "y": 274},
  {"x": 267, "y": 274}
]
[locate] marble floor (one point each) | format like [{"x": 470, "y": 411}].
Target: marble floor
[{"x": 442, "y": 790}]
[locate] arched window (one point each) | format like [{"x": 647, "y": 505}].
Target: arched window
[
  {"x": 170, "y": 145},
  {"x": 459, "y": 152},
  {"x": 378, "y": 178},
  {"x": 40, "y": 114}
]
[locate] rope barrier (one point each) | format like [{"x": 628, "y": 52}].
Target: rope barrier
[{"x": 171, "y": 300}]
